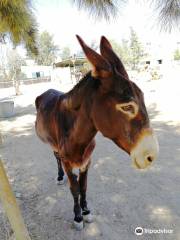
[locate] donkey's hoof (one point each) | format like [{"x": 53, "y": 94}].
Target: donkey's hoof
[
  {"x": 88, "y": 218},
  {"x": 61, "y": 181},
  {"x": 78, "y": 225}
]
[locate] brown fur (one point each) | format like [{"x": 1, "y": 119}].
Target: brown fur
[{"x": 70, "y": 121}]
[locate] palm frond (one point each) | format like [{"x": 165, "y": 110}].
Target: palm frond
[
  {"x": 18, "y": 21},
  {"x": 168, "y": 13},
  {"x": 100, "y": 8}
]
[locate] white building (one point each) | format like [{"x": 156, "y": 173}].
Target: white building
[{"x": 36, "y": 71}]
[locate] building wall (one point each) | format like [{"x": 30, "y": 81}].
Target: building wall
[
  {"x": 62, "y": 75},
  {"x": 36, "y": 71}
]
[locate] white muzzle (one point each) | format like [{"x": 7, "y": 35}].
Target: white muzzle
[{"x": 145, "y": 151}]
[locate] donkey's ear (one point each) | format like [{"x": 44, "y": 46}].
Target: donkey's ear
[
  {"x": 108, "y": 53},
  {"x": 101, "y": 67}
]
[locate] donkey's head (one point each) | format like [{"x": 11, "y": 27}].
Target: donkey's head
[{"x": 118, "y": 109}]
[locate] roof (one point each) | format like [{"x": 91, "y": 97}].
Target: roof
[{"x": 71, "y": 62}]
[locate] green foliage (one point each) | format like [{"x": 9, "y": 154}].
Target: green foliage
[
  {"x": 10, "y": 64},
  {"x": 14, "y": 63},
  {"x": 177, "y": 54},
  {"x": 168, "y": 11},
  {"x": 65, "y": 53},
  {"x": 93, "y": 45},
  {"x": 47, "y": 50},
  {"x": 129, "y": 51},
  {"x": 12, "y": 71},
  {"x": 99, "y": 8},
  {"x": 136, "y": 49},
  {"x": 18, "y": 22},
  {"x": 122, "y": 50}
]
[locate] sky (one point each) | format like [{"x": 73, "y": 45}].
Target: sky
[{"x": 64, "y": 20}]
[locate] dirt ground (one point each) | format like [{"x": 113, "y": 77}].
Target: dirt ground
[{"x": 121, "y": 198}]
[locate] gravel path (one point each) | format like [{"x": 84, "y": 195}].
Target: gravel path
[{"x": 120, "y": 197}]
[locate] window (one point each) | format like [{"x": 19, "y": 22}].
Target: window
[{"x": 37, "y": 74}]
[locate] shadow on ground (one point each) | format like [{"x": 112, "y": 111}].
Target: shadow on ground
[{"x": 121, "y": 197}]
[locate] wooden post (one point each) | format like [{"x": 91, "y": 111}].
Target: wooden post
[
  {"x": 11, "y": 208},
  {"x": 1, "y": 138}
]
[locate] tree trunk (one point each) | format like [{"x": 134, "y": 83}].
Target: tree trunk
[
  {"x": 16, "y": 83},
  {"x": 17, "y": 87}
]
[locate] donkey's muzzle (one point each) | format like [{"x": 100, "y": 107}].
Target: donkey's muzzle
[{"x": 145, "y": 150}]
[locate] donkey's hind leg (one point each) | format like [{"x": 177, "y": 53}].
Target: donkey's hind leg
[{"x": 61, "y": 176}]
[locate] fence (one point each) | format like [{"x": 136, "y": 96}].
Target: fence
[{"x": 7, "y": 84}]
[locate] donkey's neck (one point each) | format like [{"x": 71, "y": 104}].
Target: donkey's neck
[
  {"x": 79, "y": 101},
  {"x": 83, "y": 130},
  {"x": 79, "y": 142}
]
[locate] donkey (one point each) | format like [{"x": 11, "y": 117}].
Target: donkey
[{"x": 104, "y": 100}]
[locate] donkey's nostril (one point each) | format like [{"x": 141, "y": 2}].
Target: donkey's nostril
[{"x": 150, "y": 159}]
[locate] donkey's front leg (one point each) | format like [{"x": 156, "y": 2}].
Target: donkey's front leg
[
  {"x": 87, "y": 216},
  {"x": 75, "y": 190},
  {"x": 61, "y": 177}
]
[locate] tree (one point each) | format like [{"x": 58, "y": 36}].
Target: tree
[
  {"x": 65, "y": 53},
  {"x": 92, "y": 45},
  {"x": 10, "y": 66},
  {"x": 14, "y": 63},
  {"x": 136, "y": 49},
  {"x": 177, "y": 54},
  {"x": 168, "y": 10},
  {"x": 46, "y": 49},
  {"x": 122, "y": 49},
  {"x": 18, "y": 23},
  {"x": 169, "y": 13},
  {"x": 129, "y": 51},
  {"x": 99, "y": 8},
  {"x": 3, "y": 62},
  {"x": 126, "y": 52}
]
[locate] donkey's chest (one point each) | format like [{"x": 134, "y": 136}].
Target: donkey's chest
[{"x": 79, "y": 156}]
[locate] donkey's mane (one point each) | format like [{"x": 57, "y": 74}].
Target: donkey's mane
[{"x": 82, "y": 90}]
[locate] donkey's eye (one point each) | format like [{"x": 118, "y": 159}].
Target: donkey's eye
[{"x": 130, "y": 109}]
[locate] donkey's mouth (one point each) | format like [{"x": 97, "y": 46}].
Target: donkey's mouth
[
  {"x": 145, "y": 151},
  {"x": 136, "y": 164}
]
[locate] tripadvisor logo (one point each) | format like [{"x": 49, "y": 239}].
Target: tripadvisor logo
[{"x": 139, "y": 231}]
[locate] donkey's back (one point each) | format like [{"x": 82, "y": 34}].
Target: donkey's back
[{"x": 47, "y": 100}]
